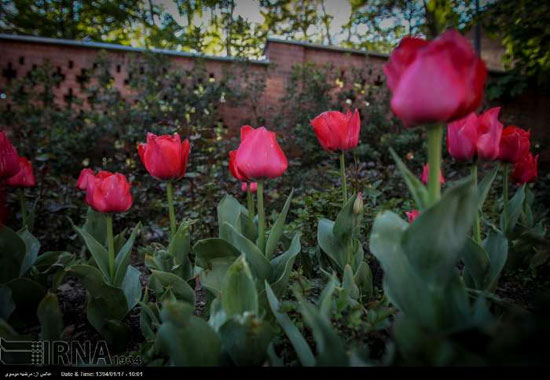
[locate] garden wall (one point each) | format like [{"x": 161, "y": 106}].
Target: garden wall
[{"x": 72, "y": 59}]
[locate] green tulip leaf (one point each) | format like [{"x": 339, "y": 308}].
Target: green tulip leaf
[
  {"x": 186, "y": 339},
  {"x": 179, "y": 248},
  {"x": 434, "y": 240},
  {"x": 248, "y": 228},
  {"x": 325, "y": 299},
  {"x": 485, "y": 185},
  {"x": 32, "y": 247},
  {"x": 330, "y": 348},
  {"x": 277, "y": 229},
  {"x": 50, "y": 317},
  {"x": 214, "y": 256},
  {"x": 239, "y": 292},
  {"x": 401, "y": 284},
  {"x": 476, "y": 264},
  {"x": 131, "y": 286},
  {"x": 120, "y": 239},
  {"x": 292, "y": 332},
  {"x": 246, "y": 339},
  {"x": 26, "y": 295},
  {"x": 229, "y": 211},
  {"x": 496, "y": 246},
  {"x": 363, "y": 280},
  {"x": 7, "y": 306},
  {"x": 259, "y": 265},
  {"x": 123, "y": 257},
  {"x": 516, "y": 206},
  {"x": 105, "y": 301},
  {"x": 13, "y": 254},
  {"x": 98, "y": 251},
  {"x": 346, "y": 223},
  {"x": 330, "y": 245},
  {"x": 282, "y": 265},
  {"x": 416, "y": 187},
  {"x": 348, "y": 283},
  {"x": 96, "y": 225},
  {"x": 159, "y": 282}
]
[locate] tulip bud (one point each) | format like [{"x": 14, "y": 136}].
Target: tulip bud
[{"x": 358, "y": 205}]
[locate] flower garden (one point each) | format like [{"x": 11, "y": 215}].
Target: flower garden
[{"x": 273, "y": 263}]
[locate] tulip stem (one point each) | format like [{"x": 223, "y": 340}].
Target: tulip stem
[
  {"x": 23, "y": 208},
  {"x": 477, "y": 222},
  {"x": 111, "y": 245},
  {"x": 505, "y": 198},
  {"x": 171, "y": 213},
  {"x": 250, "y": 199},
  {"x": 435, "y": 133},
  {"x": 261, "y": 216},
  {"x": 343, "y": 176}
]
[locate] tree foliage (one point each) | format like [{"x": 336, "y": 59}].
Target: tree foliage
[{"x": 524, "y": 27}]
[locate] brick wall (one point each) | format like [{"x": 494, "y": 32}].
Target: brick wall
[{"x": 70, "y": 58}]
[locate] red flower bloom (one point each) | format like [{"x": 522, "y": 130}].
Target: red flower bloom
[
  {"x": 108, "y": 192},
  {"x": 525, "y": 170},
  {"x": 412, "y": 215},
  {"x": 514, "y": 144},
  {"x": 259, "y": 155},
  {"x": 165, "y": 157},
  {"x": 233, "y": 169},
  {"x": 337, "y": 131},
  {"x": 82, "y": 182},
  {"x": 462, "y": 138},
  {"x": 489, "y": 131},
  {"x": 426, "y": 174},
  {"x": 9, "y": 163},
  {"x": 25, "y": 175},
  {"x": 253, "y": 187},
  {"x": 437, "y": 81}
]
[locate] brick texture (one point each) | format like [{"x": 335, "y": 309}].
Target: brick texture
[{"x": 530, "y": 110}]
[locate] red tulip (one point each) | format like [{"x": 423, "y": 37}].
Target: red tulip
[
  {"x": 165, "y": 157},
  {"x": 525, "y": 170},
  {"x": 259, "y": 155},
  {"x": 233, "y": 169},
  {"x": 82, "y": 182},
  {"x": 462, "y": 138},
  {"x": 426, "y": 174},
  {"x": 437, "y": 81},
  {"x": 253, "y": 187},
  {"x": 108, "y": 192},
  {"x": 9, "y": 163},
  {"x": 514, "y": 144},
  {"x": 337, "y": 131},
  {"x": 25, "y": 175},
  {"x": 489, "y": 131},
  {"x": 412, "y": 215}
]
